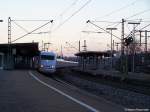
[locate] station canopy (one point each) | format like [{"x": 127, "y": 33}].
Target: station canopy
[
  {"x": 22, "y": 49},
  {"x": 92, "y": 53}
]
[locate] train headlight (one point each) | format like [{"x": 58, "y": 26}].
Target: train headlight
[
  {"x": 52, "y": 66},
  {"x": 42, "y": 66}
]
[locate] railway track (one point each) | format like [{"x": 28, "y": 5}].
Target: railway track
[
  {"x": 130, "y": 85},
  {"x": 125, "y": 87}
]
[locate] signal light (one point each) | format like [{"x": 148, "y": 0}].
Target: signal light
[{"x": 128, "y": 41}]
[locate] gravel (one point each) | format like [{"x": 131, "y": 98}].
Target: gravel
[{"x": 123, "y": 97}]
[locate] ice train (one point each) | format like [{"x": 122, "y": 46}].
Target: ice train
[{"x": 47, "y": 62}]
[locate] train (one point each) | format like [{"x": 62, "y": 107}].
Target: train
[{"x": 46, "y": 62}]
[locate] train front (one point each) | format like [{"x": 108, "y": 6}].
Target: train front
[{"x": 47, "y": 62}]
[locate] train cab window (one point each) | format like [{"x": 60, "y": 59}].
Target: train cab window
[{"x": 47, "y": 57}]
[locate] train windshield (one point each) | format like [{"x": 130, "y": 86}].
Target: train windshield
[{"x": 47, "y": 57}]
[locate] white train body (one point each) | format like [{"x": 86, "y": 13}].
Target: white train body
[{"x": 47, "y": 62}]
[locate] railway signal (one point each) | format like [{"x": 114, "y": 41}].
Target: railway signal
[{"x": 128, "y": 41}]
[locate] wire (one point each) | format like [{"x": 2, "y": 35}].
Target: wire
[
  {"x": 138, "y": 13},
  {"x": 73, "y": 15},
  {"x": 71, "y": 45},
  {"x": 117, "y": 24},
  {"x": 14, "y": 21},
  {"x": 33, "y": 31},
  {"x": 145, "y": 27},
  {"x": 31, "y": 20},
  {"x": 91, "y": 32},
  {"x": 141, "y": 20},
  {"x": 21, "y": 27},
  {"x": 67, "y": 9},
  {"x": 112, "y": 24},
  {"x": 132, "y": 30},
  {"x": 106, "y": 21},
  {"x": 118, "y": 10},
  {"x": 103, "y": 29},
  {"x": 128, "y": 27},
  {"x": 146, "y": 21}
]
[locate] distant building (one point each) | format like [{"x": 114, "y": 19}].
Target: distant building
[{"x": 18, "y": 55}]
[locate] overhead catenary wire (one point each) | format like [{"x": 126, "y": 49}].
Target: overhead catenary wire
[
  {"x": 29, "y": 20},
  {"x": 21, "y": 27},
  {"x": 66, "y": 20},
  {"x": 116, "y": 24},
  {"x": 107, "y": 21},
  {"x": 145, "y": 27},
  {"x": 27, "y": 30},
  {"x": 128, "y": 27},
  {"x": 103, "y": 29},
  {"x": 139, "y": 13},
  {"x": 119, "y": 9},
  {"x": 32, "y": 31},
  {"x": 114, "y": 11},
  {"x": 132, "y": 31},
  {"x": 68, "y": 8},
  {"x": 71, "y": 46},
  {"x": 145, "y": 21}
]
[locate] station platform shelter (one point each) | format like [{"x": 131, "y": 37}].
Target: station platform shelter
[
  {"x": 18, "y": 55},
  {"x": 93, "y": 59}
]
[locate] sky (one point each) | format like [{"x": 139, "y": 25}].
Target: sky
[{"x": 70, "y": 18}]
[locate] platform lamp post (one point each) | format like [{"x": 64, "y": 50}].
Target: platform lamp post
[{"x": 111, "y": 29}]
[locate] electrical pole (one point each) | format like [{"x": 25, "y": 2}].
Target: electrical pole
[
  {"x": 117, "y": 44},
  {"x": 122, "y": 38},
  {"x": 79, "y": 45},
  {"x": 113, "y": 46},
  {"x": 9, "y": 44},
  {"x": 111, "y": 29},
  {"x": 46, "y": 46},
  {"x": 140, "y": 36},
  {"x": 145, "y": 41},
  {"x": 146, "y": 37},
  {"x": 9, "y": 30},
  {"x": 133, "y": 36},
  {"x": 42, "y": 45},
  {"x": 123, "y": 65},
  {"x": 84, "y": 46},
  {"x": 61, "y": 52}
]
